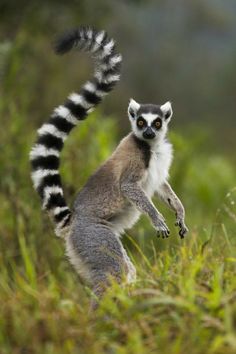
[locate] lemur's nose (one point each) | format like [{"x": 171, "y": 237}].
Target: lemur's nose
[{"x": 149, "y": 133}]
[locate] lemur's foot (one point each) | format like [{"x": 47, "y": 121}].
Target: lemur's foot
[
  {"x": 183, "y": 228},
  {"x": 162, "y": 230}
]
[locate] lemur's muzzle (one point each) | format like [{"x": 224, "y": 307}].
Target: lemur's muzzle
[{"x": 149, "y": 133}]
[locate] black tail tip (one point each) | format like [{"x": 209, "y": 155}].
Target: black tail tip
[{"x": 65, "y": 42}]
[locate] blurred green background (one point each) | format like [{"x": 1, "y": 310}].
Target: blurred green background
[{"x": 183, "y": 51}]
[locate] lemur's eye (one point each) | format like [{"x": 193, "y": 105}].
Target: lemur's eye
[
  {"x": 157, "y": 124},
  {"x": 140, "y": 123}
]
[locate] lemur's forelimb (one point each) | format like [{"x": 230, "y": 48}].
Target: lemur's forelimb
[
  {"x": 166, "y": 193},
  {"x": 134, "y": 193}
]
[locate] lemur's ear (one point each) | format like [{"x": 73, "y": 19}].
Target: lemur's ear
[
  {"x": 133, "y": 108},
  {"x": 167, "y": 110}
]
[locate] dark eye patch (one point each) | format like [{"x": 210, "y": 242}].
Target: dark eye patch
[
  {"x": 141, "y": 122},
  {"x": 157, "y": 123}
]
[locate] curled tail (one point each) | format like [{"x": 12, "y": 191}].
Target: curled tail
[{"x": 45, "y": 154}]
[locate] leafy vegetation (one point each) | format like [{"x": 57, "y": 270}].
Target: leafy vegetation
[{"x": 184, "y": 300}]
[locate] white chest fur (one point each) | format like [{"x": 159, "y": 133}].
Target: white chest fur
[
  {"x": 156, "y": 174},
  {"x": 158, "y": 169}
]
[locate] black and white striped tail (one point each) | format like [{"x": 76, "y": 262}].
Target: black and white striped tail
[{"x": 45, "y": 154}]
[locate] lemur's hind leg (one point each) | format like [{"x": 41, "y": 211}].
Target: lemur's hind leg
[{"x": 97, "y": 254}]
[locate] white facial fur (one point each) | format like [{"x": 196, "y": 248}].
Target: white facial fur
[{"x": 149, "y": 118}]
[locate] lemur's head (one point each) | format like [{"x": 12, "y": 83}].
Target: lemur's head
[{"x": 149, "y": 122}]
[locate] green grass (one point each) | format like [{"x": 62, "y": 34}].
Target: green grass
[{"x": 183, "y": 301}]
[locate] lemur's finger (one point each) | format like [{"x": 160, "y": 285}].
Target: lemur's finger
[
  {"x": 183, "y": 231},
  {"x": 165, "y": 234}
]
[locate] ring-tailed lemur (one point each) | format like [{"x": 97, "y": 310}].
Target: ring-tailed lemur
[{"x": 115, "y": 195}]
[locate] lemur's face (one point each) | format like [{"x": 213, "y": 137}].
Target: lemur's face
[{"x": 148, "y": 121}]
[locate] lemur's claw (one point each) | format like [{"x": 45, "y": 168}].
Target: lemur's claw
[
  {"x": 163, "y": 232},
  {"x": 183, "y": 228}
]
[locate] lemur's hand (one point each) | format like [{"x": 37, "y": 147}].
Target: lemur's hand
[
  {"x": 161, "y": 227},
  {"x": 183, "y": 230}
]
